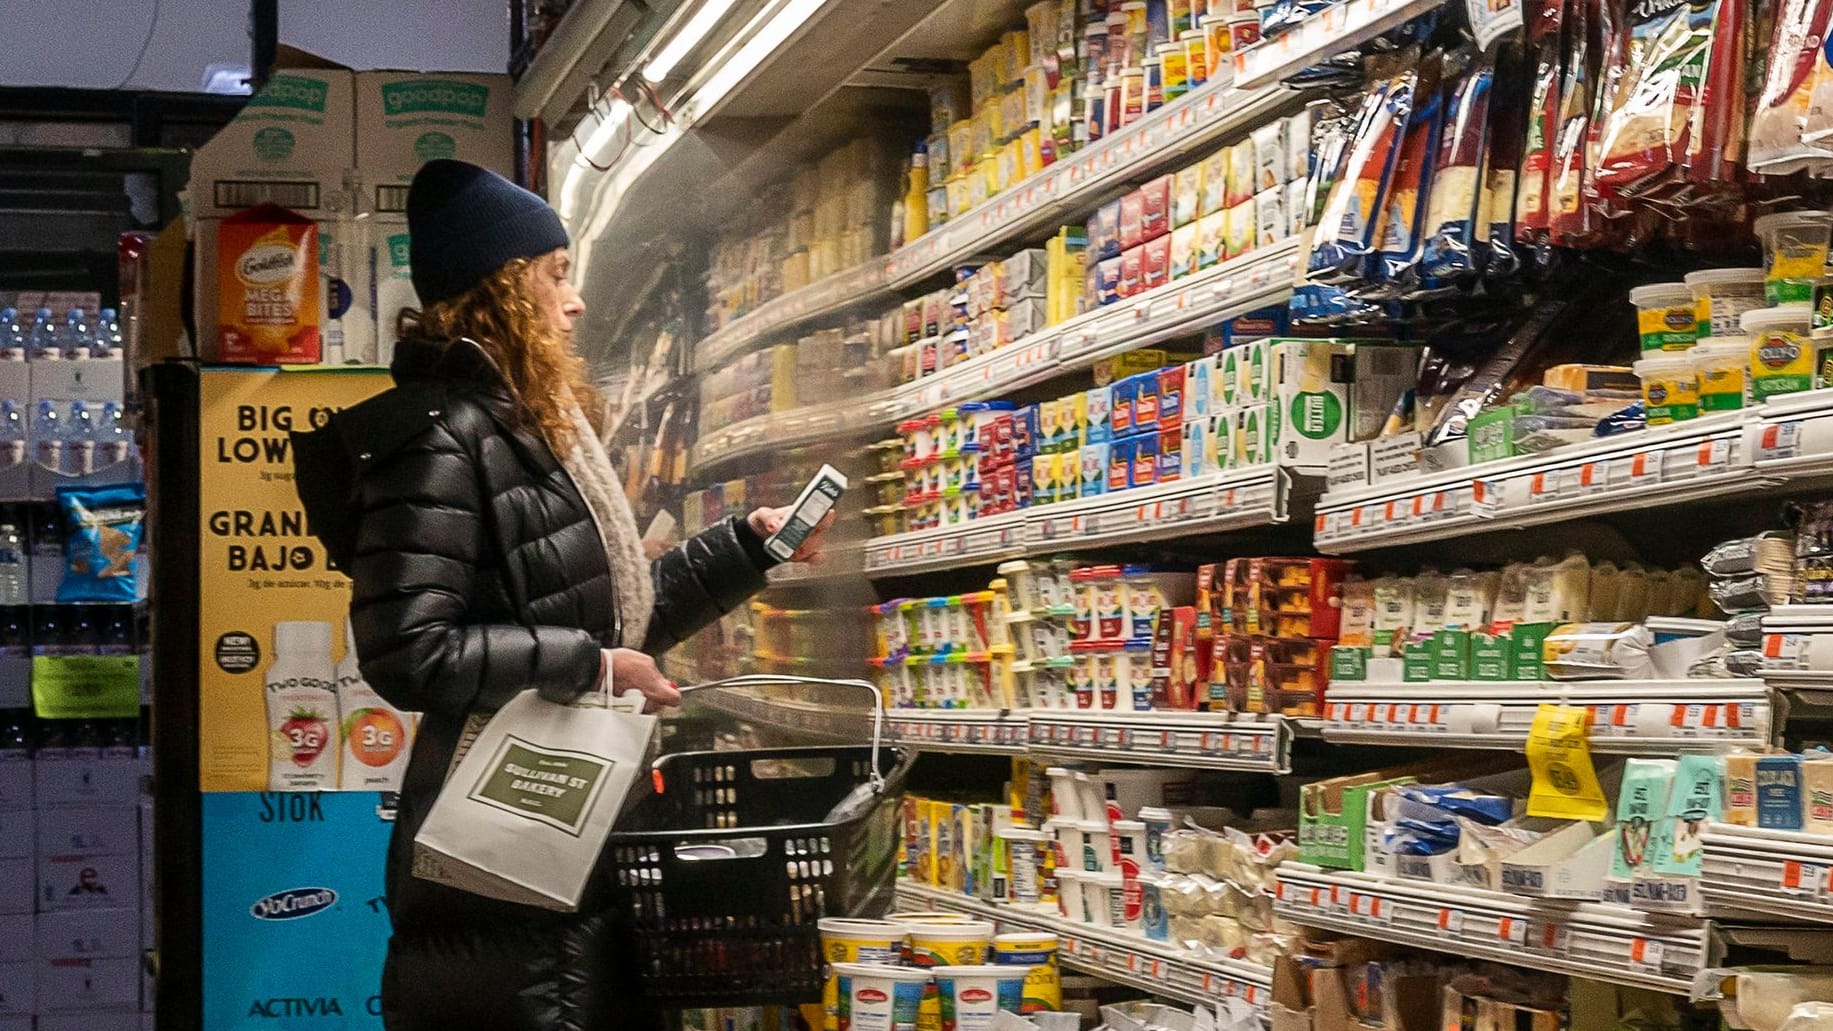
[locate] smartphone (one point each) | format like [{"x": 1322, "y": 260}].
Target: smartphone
[{"x": 815, "y": 501}]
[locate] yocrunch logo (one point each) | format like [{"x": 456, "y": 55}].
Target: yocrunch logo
[
  {"x": 293, "y": 904},
  {"x": 291, "y": 91},
  {"x": 400, "y": 98}
]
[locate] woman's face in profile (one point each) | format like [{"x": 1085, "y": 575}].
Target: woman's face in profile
[{"x": 548, "y": 283}]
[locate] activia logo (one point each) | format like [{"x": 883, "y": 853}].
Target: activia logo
[
  {"x": 293, "y": 904},
  {"x": 293, "y": 91},
  {"x": 1316, "y": 414},
  {"x": 1778, "y": 353},
  {"x": 976, "y": 995},
  {"x": 442, "y": 95},
  {"x": 433, "y": 146},
  {"x": 273, "y": 144},
  {"x": 871, "y": 995}
]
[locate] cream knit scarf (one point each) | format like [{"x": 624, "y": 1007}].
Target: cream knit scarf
[{"x": 591, "y": 470}]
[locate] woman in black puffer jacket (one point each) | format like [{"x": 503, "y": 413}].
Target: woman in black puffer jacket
[{"x": 491, "y": 551}]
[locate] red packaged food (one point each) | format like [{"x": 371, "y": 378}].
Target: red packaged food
[
  {"x": 1155, "y": 208},
  {"x": 1132, "y": 271},
  {"x": 1132, "y": 220},
  {"x": 1155, "y": 263}
]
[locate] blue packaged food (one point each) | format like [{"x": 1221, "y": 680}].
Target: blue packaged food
[
  {"x": 102, "y": 528},
  {"x": 1779, "y": 792}
]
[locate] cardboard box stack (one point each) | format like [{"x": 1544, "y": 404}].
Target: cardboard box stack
[
  {"x": 339, "y": 148},
  {"x": 75, "y": 912}
]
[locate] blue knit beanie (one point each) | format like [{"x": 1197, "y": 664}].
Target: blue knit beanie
[{"x": 466, "y": 222}]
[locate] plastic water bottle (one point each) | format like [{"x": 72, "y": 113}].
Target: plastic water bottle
[
  {"x": 45, "y": 346},
  {"x": 113, "y": 443},
  {"x": 12, "y": 558},
  {"x": 12, "y": 336},
  {"x": 108, "y": 342},
  {"x": 79, "y": 440},
  {"x": 78, "y": 338},
  {"x": 12, "y": 434},
  {"x": 48, "y": 436}
]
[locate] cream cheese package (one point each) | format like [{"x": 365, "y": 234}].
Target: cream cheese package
[{"x": 1693, "y": 802}]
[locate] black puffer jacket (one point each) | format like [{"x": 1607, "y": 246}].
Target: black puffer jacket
[{"x": 478, "y": 573}]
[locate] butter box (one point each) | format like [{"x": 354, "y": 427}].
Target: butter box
[
  {"x": 1186, "y": 196},
  {"x": 1155, "y": 208},
  {"x": 1098, "y": 404},
  {"x": 1213, "y": 197},
  {"x": 1132, "y": 220},
  {"x": 1184, "y": 251},
  {"x": 1132, "y": 271},
  {"x": 1310, "y": 387},
  {"x": 1155, "y": 263},
  {"x": 1212, "y": 239}
]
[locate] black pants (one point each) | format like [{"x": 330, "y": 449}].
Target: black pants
[{"x": 572, "y": 972}]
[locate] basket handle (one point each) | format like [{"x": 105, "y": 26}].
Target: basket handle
[{"x": 769, "y": 680}]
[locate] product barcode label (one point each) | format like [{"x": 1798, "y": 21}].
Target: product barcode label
[
  {"x": 1779, "y": 441},
  {"x": 1645, "y": 955}
]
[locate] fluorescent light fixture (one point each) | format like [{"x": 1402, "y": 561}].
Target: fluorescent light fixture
[
  {"x": 756, "y": 50},
  {"x": 608, "y": 124},
  {"x": 687, "y": 39}
]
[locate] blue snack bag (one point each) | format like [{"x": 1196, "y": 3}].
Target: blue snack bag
[{"x": 102, "y": 531}]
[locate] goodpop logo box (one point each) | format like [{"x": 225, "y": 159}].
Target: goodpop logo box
[
  {"x": 291, "y": 144},
  {"x": 405, "y": 119}
]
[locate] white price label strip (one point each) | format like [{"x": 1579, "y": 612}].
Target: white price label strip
[
  {"x": 1779, "y": 441},
  {"x": 1645, "y": 955}
]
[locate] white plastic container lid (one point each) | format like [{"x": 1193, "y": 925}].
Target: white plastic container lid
[
  {"x": 1782, "y": 316},
  {"x": 987, "y": 970},
  {"x": 1092, "y": 826},
  {"x": 1112, "y": 879},
  {"x": 1720, "y": 348},
  {"x": 908, "y": 975},
  {"x": 1021, "y": 834},
  {"x": 939, "y": 932},
  {"x": 1662, "y": 364},
  {"x": 1129, "y": 826},
  {"x": 1751, "y": 277},
  {"x": 1660, "y": 295},
  {"x": 1154, "y": 814},
  {"x": 1792, "y": 220}
]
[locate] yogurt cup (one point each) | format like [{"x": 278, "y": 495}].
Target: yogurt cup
[
  {"x": 1794, "y": 253},
  {"x": 1082, "y": 674},
  {"x": 1112, "y": 891},
  {"x": 1130, "y": 843},
  {"x": 1105, "y": 664},
  {"x": 935, "y": 944},
  {"x": 1038, "y": 953},
  {"x": 1094, "y": 800},
  {"x": 1065, "y": 801},
  {"x": 1781, "y": 350},
  {"x": 1155, "y": 922},
  {"x": 1670, "y": 387},
  {"x": 855, "y": 941},
  {"x": 1721, "y": 295},
  {"x": 1069, "y": 893},
  {"x": 1723, "y": 365},
  {"x": 1070, "y": 842},
  {"x": 1024, "y": 583},
  {"x": 1027, "y": 851},
  {"x": 1159, "y": 822},
  {"x": 1666, "y": 319},
  {"x": 879, "y": 997},
  {"x": 1136, "y": 692},
  {"x": 971, "y": 995},
  {"x": 1097, "y": 846},
  {"x": 936, "y": 916}
]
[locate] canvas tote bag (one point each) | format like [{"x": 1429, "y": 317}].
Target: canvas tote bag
[{"x": 531, "y": 798}]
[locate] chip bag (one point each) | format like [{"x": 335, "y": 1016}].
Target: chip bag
[{"x": 102, "y": 528}]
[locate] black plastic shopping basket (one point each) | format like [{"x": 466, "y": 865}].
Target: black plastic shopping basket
[{"x": 736, "y": 855}]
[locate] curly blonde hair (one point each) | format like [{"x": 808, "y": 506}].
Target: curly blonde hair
[{"x": 541, "y": 367}]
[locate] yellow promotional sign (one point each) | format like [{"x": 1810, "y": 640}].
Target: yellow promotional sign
[
  {"x": 271, "y": 614},
  {"x": 1559, "y": 757}
]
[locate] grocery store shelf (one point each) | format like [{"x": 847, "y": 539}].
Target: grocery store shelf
[
  {"x": 1118, "y": 956},
  {"x": 860, "y": 284},
  {"x": 1776, "y": 873},
  {"x": 1254, "y": 280},
  {"x": 1334, "y": 30},
  {"x": 1586, "y": 939},
  {"x": 841, "y": 562},
  {"x": 1238, "y": 498},
  {"x": 1683, "y": 462},
  {"x": 1064, "y": 192},
  {"x": 986, "y": 731},
  {"x": 1203, "y": 740},
  {"x": 1629, "y": 717}
]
